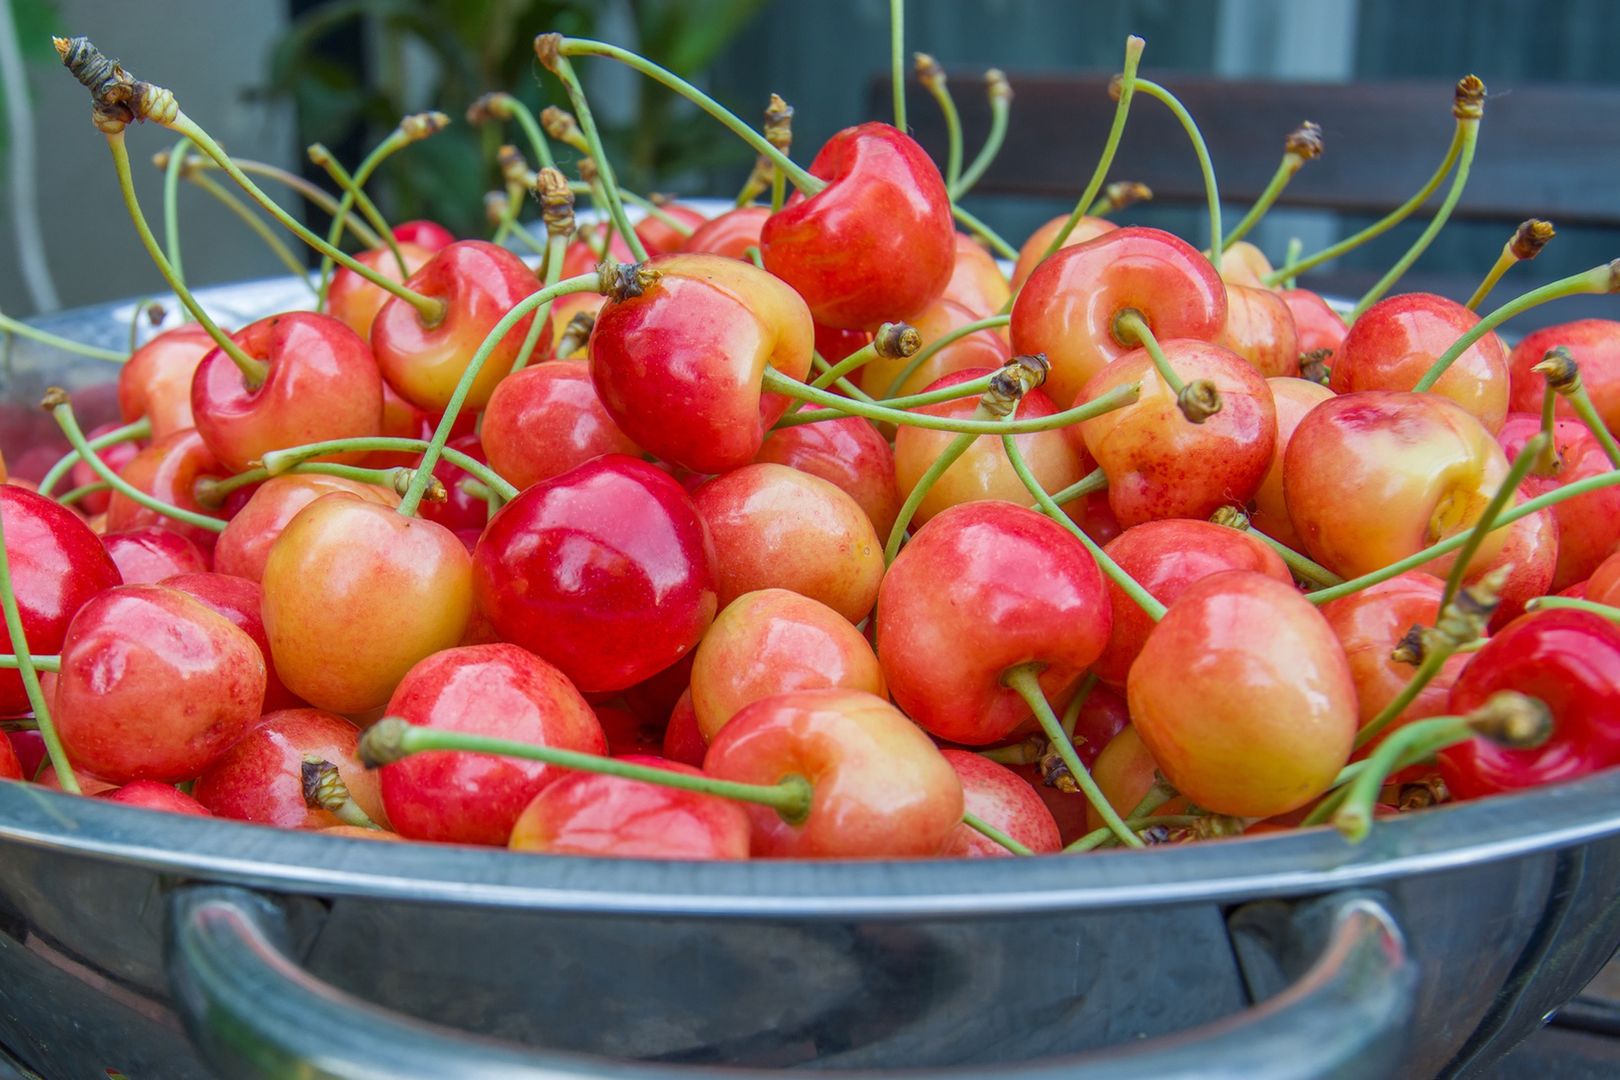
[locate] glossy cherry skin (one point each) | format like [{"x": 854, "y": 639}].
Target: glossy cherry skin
[
  {"x": 322, "y": 383},
  {"x": 1243, "y": 696},
  {"x": 770, "y": 642},
  {"x": 1588, "y": 526},
  {"x": 479, "y": 283},
  {"x": 1124, "y": 772},
  {"x": 586, "y": 814},
  {"x": 355, "y": 594},
  {"x": 778, "y": 528},
  {"x": 115, "y": 456},
  {"x": 151, "y": 795},
  {"x": 1407, "y": 470},
  {"x": 731, "y": 234},
  {"x": 1159, "y": 464},
  {"x": 156, "y": 380},
  {"x": 154, "y": 685},
  {"x": 242, "y": 602},
  {"x": 1166, "y": 558},
  {"x": 1034, "y": 249},
  {"x": 1595, "y": 346},
  {"x": 881, "y": 788},
  {"x": 659, "y": 238},
  {"x": 1293, "y": 398},
  {"x": 983, "y": 587},
  {"x": 606, "y": 571},
  {"x": 1568, "y": 660},
  {"x": 1318, "y": 326},
  {"x": 683, "y": 740},
  {"x": 260, "y": 778},
  {"x": 1529, "y": 554},
  {"x": 168, "y": 470},
  {"x": 848, "y": 452},
  {"x": 147, "y": 555},
  {"x": 877, "y": 243},
  {"x": 1396, "y": 341},
  {"x": 998, "y": 796},
  {"x": 982, "y": 349},
  {"x": 679, "y": 367},
  {"x": 1245, "y": 265},
  {"x": 57, "y": 565},
  {"x": 1260, "y": 328},
  {"x": 424, "y": 234},
  {"x": 546, "y": 419},
  {"x": 977, "y": 282},
  {"x": 1068, "y": 307},
  {"x": 984, "y": 470},
  {"x": 500, "y": 691},
  {"x": 354, "y": 301},
  {"x": 244, "y": 546}
]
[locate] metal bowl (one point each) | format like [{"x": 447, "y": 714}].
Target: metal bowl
[{"x": 170, "y": 947}]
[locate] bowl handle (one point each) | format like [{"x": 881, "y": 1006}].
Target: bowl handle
[{"x": 253, "y": 1011}]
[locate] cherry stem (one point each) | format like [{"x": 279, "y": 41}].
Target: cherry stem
[
  {"x": 1103, "y": 836},
  {"x": 1548, "y": 465},
  {"x": 933, "y": 78},
  {"x": 924, "y": 354},
  {"x": 11, "y": 662},
  {"x": 131, "y": 432},
  {"x": 504, "y": 105},
  {"x": 855, "y": 360},
  {"x": 1459, "y": 180},
  {"x": 1130, "y": 328},
  {"x": 1436, "y": 652},
  {"x": 1211, "y": 192},
  {"x": 984, "y": 828},
  {"x": 839, "y": 383},
  {"x": 1354, "y": 816},
  {"x": 1523, "y": 462},
  {"x": 1127, "y": 90},
  {"x": 393, "y": 738},
  {"x": 73, "y": 495},
  {"x": 324, "y": 789},
  {"x": 279, "y": 462},
  {"x": 1504, "y": 262},
  {"x": 1290, "y": 256},
  {"x": 1295, "y": 267},
  {"x": 61, "y": 410},
  {"x": 175, "y": 168},
  {"x": 610, "y": 185},
  {"x": 277, "y": 246},
  {"x": 778, "y": 383},
  {"x": 9, "y": 325},
  {"x": 354, "y": 196},
  {"x": 925, "y": 483},
  {"x": 985, "y": 233},
  {"x": 1599, "y": 279},
  {"x": 362, "y": 232},
  {"x": 1023, "y": 680},
  {"x": 1304, "y": 568},
  {"x": 253, "y": 371},
  {"x": 1095, "y": 480},
  {"x": 30, "y": 677},
  {"x": 1000, "y": 94},
  {"x": 1071, "y": 712},
  {"x": 1290, "y": 164},
  {"x": 555, "y": 248},
  {"x": 1129, "y": 585},
  {"x": 424, "y": 471},
  {"x": 641, "y": 202},
  {"x": 897, "y": 59},
  {"x": 1563, "y": 377},
  {"x": 211, "y": 491},
  {"x": 1571, "y": 603}
]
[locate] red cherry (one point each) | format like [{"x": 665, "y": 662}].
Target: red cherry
[
  {"x": 881, "y": 788},
  {"x": 679, "y": 367},
  {"x": 1068, "y": 306},
  {"x": 241, "y": 601},
  {"x": 683, "y": 739},
  {"x": 877, "y": 243},
  {"x": 848, "y": 452},
  {"x": 151, "y": 795},
  {"x": 546, "y": 419},
  {"x": 147, "y": 555},
  {"x": 1568, "y": 660},
  {"x": 156, "y": 380},
  {"x": 424, "y": 234},
  {"x": 1588, "y": 526},
  {"x": 1260, "y": 328},
  {"x": 627, "y": 734},
  {"x": 1034, "y": 249},
  {"x": 606, "y": 571},
  {"x": 1293, "y": 398},
  {"x": 57, "y": 565},
  {"x": 244, "y": 546},
  {"x": 1318, "y": 326},
  {"x": 1603, "y": 587},
  {"x": 28, "y": 747},
  {"x": 260, "y": 778},
  {"x": 1595, "y": 346},
  {"x": 731, "y": 234},
  {"x": 835, "y": 344},
  {"x": 10, "y": 767},
  {"x": 659, "y": 238},
  {"x": 953, "y": 614},
  {"x": 154, "y": 685},
  {"x": 354, "y": 301},
  {"x": 589, "y": 814},
  {"x": 478, "y": 283},
  {"x": 997, "y": 796},
  {"x": 499, "y": 691},
  {"x": 168, "y": 470},
  {"x": 653, "y": 697}
]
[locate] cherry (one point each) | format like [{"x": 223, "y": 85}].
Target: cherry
[
  {"x": 478, "y": 283},
  {"x": 659, "y": 237},
  {"x": 999, "y": 797},
  {"x": 1034, "y": 250},
  {"x": 28, "y": 747},
  {"x": 1069, "y": 306},
  {"x": 850, "y": 453},
  {"x": 1245, "y": 266},
  {"x": 354, "y": 301},
  {"x": 679, "y": 366},
  {"x": 147, "y": 555},
  {"x": 57, "y": 565},
  {"x": 880, "y": 787},
  {"x": 154, "y": 685},
  {"x": 1397, "y": 340},
  {"x": 242, "y": 602},
  {"x": 89, "y": 786},
  {"x": 654, "y": 697},
  {"x": 730, "y": 234},
  {"x": 983, "y": 587},
  {"x": 627, "y": 733},
  {"x": 1570, "y": 662},
  {"x": 244, "y": 546},
  {"x": 977, "y": 282},
  {"x": 877, "y": 243},
  {"x": 1588, "y": 527},
  {"x": 429, "y": 235},
  {"x": 544, "y": 420},
  {"x": 1126, "y": 772},
  {"x": 1595, "y": 346},
  {"x": 1603, "y": 587},
  {"x": 10, "y": 767},
  {"x": 1318, "y": 326},
  {"x": 1293, "y": 398},
  {"x": 1243, "y": 696},
  {"x": 168, "y": 470},
  {"x": 1260, "y": 328},
  {"x": 1166, "y": 558},
  {"x": 981, "y": 349},
  {"x": 835, "y": 344},
  {"x": 775, "y": 527},
  {"x": 590, "y": 814},
  {"x": 772, "y": 642},
  {"x": 116, "y": 457},
  {"x": 496, "y": 690},
  {"x": 151, "y": 795},
  {"x": 606, "y": 571},
  {"x": 156, "y": 381},
  {"x": 355, "y": 594},
  {"x": 261, "y": 777}
]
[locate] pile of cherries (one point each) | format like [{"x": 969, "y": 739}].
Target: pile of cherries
[{"x": 806, "y": 530}]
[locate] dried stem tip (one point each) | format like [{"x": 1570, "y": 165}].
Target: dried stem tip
[
  {"x": 929, "y": 73},
  {"x": 1230, "y": 517},
  {"x": 779, "y": 123},
  {"x": 1122, "y": 193},
  {"x": 1304, "y": 142},
  {"x": 624, "y": 281},
  {"x": 55, "y": 397},
  {"x": 556, "y": 202},
  {"x": 323, "y": 785},
  {"x": 896, "y": 340},
  {"x": 514, "y": 167},
  {"x": 560, "y": 124},
  {"x": 997, "y": 86},
  {"x": 419, "y": 126},
  {"x": 1054, "y": 773},
  {"x": 1410, "y": 649},
  {"x": 1529, "y": 238},
  {"x": 495, "y": 105},
  {"x": 1199, "y": 400},
  {"x": 1514, "y": 720},
  {"x": 1468, "y": 103},
  {"x": 548, "y": 49},
  {"x": 117, "y": 97},
  {"x": 1560, "y": 370},
  {"x": 496, "y": 204},
  {"x": 1008, "y": 386},
  {"x": 575, "y": 334},
  {"x": 1313, "y": 366},
  {"x": 383, "y": 743}
]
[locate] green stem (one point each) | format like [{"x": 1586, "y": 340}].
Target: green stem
[
  {"x": 1095, "y": 480},
  {"x": 424, "y": 470},
  {"x": 984, "y": 828},
  {"x": 21, "y": 329},
  {"x": 1129, "y": 324},
  {"x": 839, "y": 383},
  {"x": 531, "y": 130},
  {"x": 971, "y": 388},
  {"x": 555, "y": 247},
  {"x": 62, "y": 411},
  {"x": 1523, "y": 462},
  {"x": 1023, "y": 680},
  {"x": 1581, "y": 402},
  {"x": 131, "y": 432},
  {"x": 924, "y": 354},
  {"x": 1503, "y": 263},
  {"x": 13, "y": 662},
  {"x": 73, "y": 495},
  {"x": 1290, "y": 256},
  {"x": 919, "y": 491},
  {"x": 277, "y": 246},
  {"x": 604, "y": 168},
  {"x": 1211, "y": 192},
  {"x": 1354, "y": 816},
  {"x": 30, "y": 678},
  {"x": 1274, "y": 187},
  {"x": 1071, "y": 713},
  {"x": 171, "y": 204},
  {"x": 1436, "y": 654},
  {"x": 897, "y": 59},
  {"x": 1302, "y": 566},
  {"x": 940, "y": 88},
  {"x": 1099, "y": 175},
  {"x": 1000, "y": 111},
  {"x": 362, "y": 232},
  {"x": 855, "y": 360},
  {"x": 278, "y": 462},
  {"x": 985, "y": 233},
  {"x": 1545, "y": 603},
  {"x": 1101, "y": 836},
  {"x": 211, "y": 491},
  {"x": 354, "y": 190}
]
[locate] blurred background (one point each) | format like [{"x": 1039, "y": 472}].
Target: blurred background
[{"x": 271, "y": 76}]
